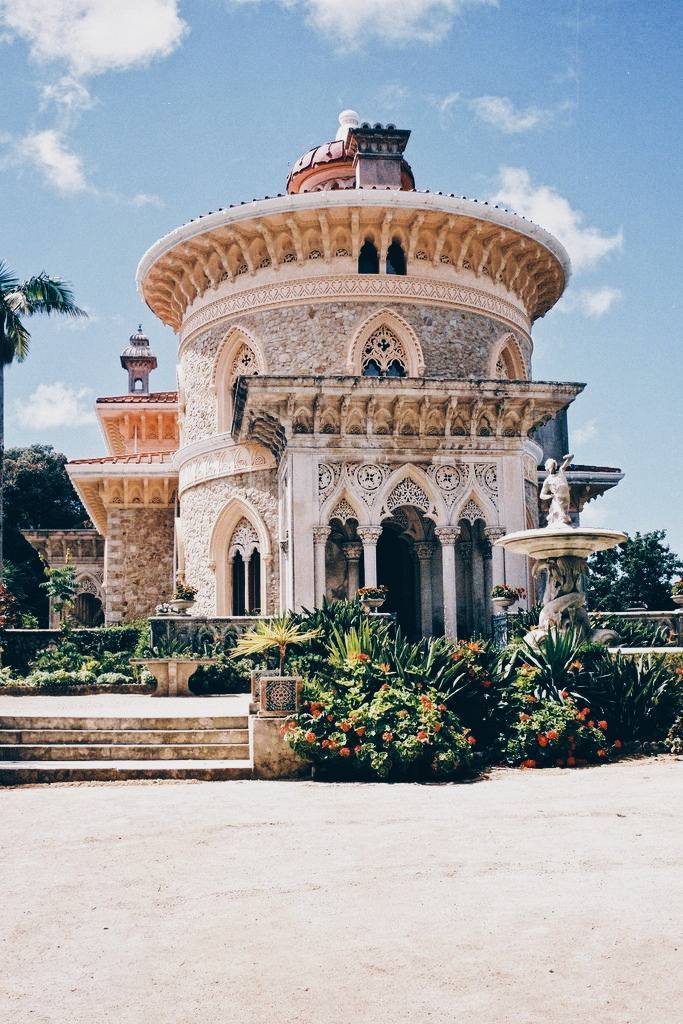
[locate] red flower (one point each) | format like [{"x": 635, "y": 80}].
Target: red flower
[
  {"x": 344, "y": 726},
  {"x": 325, "y": 744},
  {"x": 591, "y": 724},
  {"x": 486, "y": 683},
  {"x": 422, "y": 736},
  {"x": 361, "y": 657},
  {"x": 617, "y": 744},
  {"x": 360, "y": 730},
  {"x": 385, "y": 686},
  {"x": 471, "y": 740},
  {"x": 571, "y": 761},
  {"x": 602, "y": 724},
  {"x": 345, "y": 752},
  {"x": 330, "y": 718},
  {"x": 387, "y": 737},
  {"x": 441, "y": 707},
  {"x": 602, "y": 753},
  {"x": 529, "y": 763},
  {"x": 356, "y": 749},
  {"x": 552, "y": 734},
  {"x": 542, "y": 740},
  {"x": 333, "y": 744},
  {"x": 310, "y": 737},
  {"x": 438, "y": 727}
]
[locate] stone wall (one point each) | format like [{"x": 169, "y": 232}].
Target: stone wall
[
  {"x": 200, "y": 509},
  {"x": 139, "y": 562},
  {"x": 315, "y": 339}
]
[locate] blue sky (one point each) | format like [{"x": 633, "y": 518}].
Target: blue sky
[{"x": 124, "y": 118}]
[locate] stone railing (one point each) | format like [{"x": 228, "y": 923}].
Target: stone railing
[{"x": 196, "y": 630}]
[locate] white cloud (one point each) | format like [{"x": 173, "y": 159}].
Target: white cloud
[
  {"x": 146, "y": 199},
  {"x": 351, "y": 21},
  {"x": 93, "y": 36},
  {"x": 592, "y": 302},
  {"x": 545, "y": 206},
  {"x": 500, "y": 112},
  {"x": 392, "y": 96},
  {"x": 55, "y": 405},
  {"x": 585, "y": 433},
  {"x": 68, "y": 94},
  {"x": 49, "y": 154}
]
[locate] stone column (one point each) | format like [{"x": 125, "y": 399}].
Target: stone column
[
  {"x": 320, "y": 535},
  {"x": 370, "y": 535},
  {"x": 424, "y": 550},
  {"x": 465, "y": 548},
  {"x": 247, "y": 584},
  {"x": 352, "y": 552},
  {"x": 447, "y": 536},
  {"x": 494, "y": 533}
]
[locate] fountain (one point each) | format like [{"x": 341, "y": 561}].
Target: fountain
[{"x": 561, "y": 550}]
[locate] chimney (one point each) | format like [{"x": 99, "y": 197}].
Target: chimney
[{"x": 377, "y": 153}]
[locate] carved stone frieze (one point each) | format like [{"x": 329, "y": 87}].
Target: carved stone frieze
[{"x": 242, "y": 458}]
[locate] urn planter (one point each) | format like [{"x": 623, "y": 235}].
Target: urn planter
[
  {"x": 501, "y": 604},
  {"x": 677, "y": 599},
  {"x": 181, "y": 607}
]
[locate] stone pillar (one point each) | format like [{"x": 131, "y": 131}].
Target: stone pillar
[
  {"x": 353, "y": 549},
  {"x": 304, "y": 488},
  {"x": 247, "y": 584},
  {"x": 370, "y": 535},
  {"x": 487, "y": 557},
  {"x": 320, "y": 535},
  {"x": 447, "y": 536},
  {"x": 424, "y": 551},
  {"x": 494, "y": 533},
  {"x": 465, "y": 548}
]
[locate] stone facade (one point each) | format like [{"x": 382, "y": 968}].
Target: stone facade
[{"x": 138, "y": 562}]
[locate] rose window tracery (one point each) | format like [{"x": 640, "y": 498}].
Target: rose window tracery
[{"x": 384, "y": 355}]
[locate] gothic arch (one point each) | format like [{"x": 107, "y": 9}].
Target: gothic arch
[
  {"x": 224, "y": 368},
  {"x": 403, "y": 332},
  {"x": 221, "y": 543},
  {"x": 507, "y": 361},
  {"x": 348, "y": 507},
  {"x": 410, "y": 485},
  {"x": 475, "y": 506}
]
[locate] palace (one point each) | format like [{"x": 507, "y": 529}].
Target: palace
[{"x": 355, "y": 402}]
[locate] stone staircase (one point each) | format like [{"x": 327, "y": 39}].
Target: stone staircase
[{"x": 66, "y": 749}]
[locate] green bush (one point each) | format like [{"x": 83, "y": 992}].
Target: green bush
[{"x": 635, "y": 632}]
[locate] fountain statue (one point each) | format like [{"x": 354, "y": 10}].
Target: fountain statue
[{"x": 560, "y": 550}]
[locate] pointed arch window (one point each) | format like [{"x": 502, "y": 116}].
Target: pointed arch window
[
  {"x": 384, "y": 355},
  {"x": 368, "y": 258},
  {"x": 396, "y": 259},
  {"x": 244, "y": 559}
]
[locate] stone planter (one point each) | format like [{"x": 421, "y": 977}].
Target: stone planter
[
  {"x": 501, "y": 604},
  {"x": 172, "y": 674},
  {"x": 677, "y": 599},
  {"x": 278, "y": 695},
  {"x": 371, "y": 604},
  {"x": 181, "y": 607}
]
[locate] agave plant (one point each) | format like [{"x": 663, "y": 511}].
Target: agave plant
[
  {"x": 279, "y": 633},
  {"x": 639, "y": 697},
  {"x": 554, "y": 658}
]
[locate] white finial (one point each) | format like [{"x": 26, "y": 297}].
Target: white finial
[{"x": 347, "y": 119}]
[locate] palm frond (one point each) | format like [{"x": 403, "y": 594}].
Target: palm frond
[
  {"x": 45, "y": 294},
  {"x": 14, "y": 338},
  {"x": 8, "y": 282}
]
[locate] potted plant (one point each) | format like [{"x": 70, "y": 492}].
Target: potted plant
[
  {"x": 372, "y": 598},
  {"x": 677, "y": 592},
  {"x": 503, "y": 597},
  {"x": 278, "y": 695},
  {"x": 183, "y": 595}
]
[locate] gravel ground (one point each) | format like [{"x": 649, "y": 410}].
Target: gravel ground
[{"x": 529, "y": 897}]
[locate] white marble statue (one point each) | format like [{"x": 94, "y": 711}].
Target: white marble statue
[{"x": 555, "y": 489}]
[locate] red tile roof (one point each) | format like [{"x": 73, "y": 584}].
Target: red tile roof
[
  {"x": 141, "y": 459},
  {"x": 155, "y": 398}
]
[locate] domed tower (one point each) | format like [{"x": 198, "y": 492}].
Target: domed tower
[
  {"x": 138, "y": 358},
  {"x": 355, "y": 391}
]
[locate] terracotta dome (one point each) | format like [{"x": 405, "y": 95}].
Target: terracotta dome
[{"x": 331, "y": 165}]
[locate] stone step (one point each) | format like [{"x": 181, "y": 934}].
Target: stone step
[
  {"x": 124, "y": 752},
  {"x": 9, "y": 737},
  {"x": 19, "y": 722},
  {"x": 25, "y": 773}
]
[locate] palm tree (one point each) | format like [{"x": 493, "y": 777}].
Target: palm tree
[
  {"x": 18, "y": 300},
  {"x": 267, "y": 635}
]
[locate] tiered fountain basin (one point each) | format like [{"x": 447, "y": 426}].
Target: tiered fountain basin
[{"x": 561, "y": 541}]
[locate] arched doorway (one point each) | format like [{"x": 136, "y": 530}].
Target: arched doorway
[
  {"x": 396, "y": 570},
  {"x": 88, "y": 610}
]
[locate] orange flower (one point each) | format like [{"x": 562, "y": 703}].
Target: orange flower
[
  {"x": 325, "y": 744},
  {"x": 602, "y": 724},
  {"x": 617, "y": 744},
  {"x": 344, "y": 726},
  {"x": 402, "y": 714},
  {"x": 310, "y": 737},
  {"x": 530, "y": 699},
  {"x": 591, "y": 724},
  {"x": 571, "y": 761},
  {"x": 471, "y": 740},
  {"x": 486, "y": 683},
  {"x": 387, "y": 737},
  {"x": 553, "y": 734},
  {"x": 441, "y": 707},
  {"x": 422, "y": 736},
  {"x": 456, "y": 656},
  {"x": 474, "y": 647},
  {"x": 385, "y": 686},
  {"x": 564, "y": 694},
  {"x": 542, "y": 740},
  {"x": 577, "y": 665},
  {"x": 345, "y": 752},
  {"x": 523, "y": 717},
  {"x": 426, "y": 703},
  {"x": 529, "y": 763},
  {"x": 602, "y": 753},
  {"x": 333, "y": 744},
  {"x": 356, "y": 749},
  {"x": 438, "y": 727},
  {"x": 384, "y": 666},
  {"x": 360, "y": 730},
  {"x": 316, "y": 712}
]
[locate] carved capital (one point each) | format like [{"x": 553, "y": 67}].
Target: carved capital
[
  {"x": 494, "y": 533},
  {"x": 447, "y": 534},
  {"x": 369, "y": 535},
  {"x": 320, "y": 534},
  {"x": 424, "y": 550},
  {"x": 352, "y": 550}
]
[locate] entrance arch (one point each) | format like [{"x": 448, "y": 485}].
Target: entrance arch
[{"x": 396, "y": 571}]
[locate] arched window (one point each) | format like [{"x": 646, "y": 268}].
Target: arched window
[
  {"x": 137, "y": 384},
  {"x": 384, "y": 355},
  {"x": 368, "y": 260},
  {"x": 245, "y": 569},
  {"x": 243, "y": 365},
  {"x": 396, "y": 260}
]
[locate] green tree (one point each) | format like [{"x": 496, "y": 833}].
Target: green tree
[
  {"x": 18, "y": 301},
  {"x": 60, "y": 587},
  {"x": 640, "y": 571},
  {"x": 38, "y": 495}
]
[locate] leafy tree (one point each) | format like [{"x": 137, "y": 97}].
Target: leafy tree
[
  {"x": 37, "y": 495},
  {"x": 18, "y": 301},
  {"x": 60, "y": 587},
  {"x": 640, "y": 571}
]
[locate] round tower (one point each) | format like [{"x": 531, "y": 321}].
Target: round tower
[{"x": 139, "y": 359}]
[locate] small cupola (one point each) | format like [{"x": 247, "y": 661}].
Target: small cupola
[{"x": 138, "y": 358}]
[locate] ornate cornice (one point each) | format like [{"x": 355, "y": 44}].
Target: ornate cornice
[
  {"x": 228, "y": 461},
  {"x": 350, "y": 287}
]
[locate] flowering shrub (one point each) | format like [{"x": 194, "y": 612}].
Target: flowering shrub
[
  {"x": 543, "y": 732},
  {"x": 391, "y": 733},
  {"x": 183, "y": 590},
  {"x": 510, "y": 593}
]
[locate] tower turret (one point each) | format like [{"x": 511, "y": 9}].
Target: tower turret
[{"x": 138, "y": 358}]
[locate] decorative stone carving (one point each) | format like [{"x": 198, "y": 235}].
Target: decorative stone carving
[
  {"x": 494, "y": 533},
  {"x": 486, "y": 476},
  {"x": 366, "y": 478},
  {"x": 328, "y": 478},
  {"x": 343, "y": 511},
  {"x": 385, "y": 350},
  {"x": 556, "y": 490},
  {"x": 471, "y": 512},
  {"x": 407, "y": 492},
  {"x": 447, "y": 535},
  {"x": 244, "y": 540},
  {"x": 369, "y": 534},
  {"x": 321, "y": 534},
  {"x": 244, "y": 364},
  {"x": 450, "y": 479},
  {"x": 424, "y": 550},
  {"x": 353, "y": 549}
]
